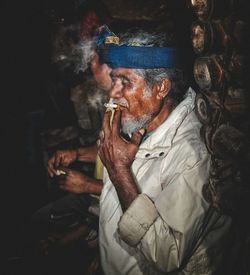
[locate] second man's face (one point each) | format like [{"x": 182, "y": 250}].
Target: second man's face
[{"x": 101, "y": 73}]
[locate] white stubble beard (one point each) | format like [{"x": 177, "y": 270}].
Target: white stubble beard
[{"x": 132, "y": 125}]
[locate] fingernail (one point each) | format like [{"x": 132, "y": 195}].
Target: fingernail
[{"x": 142, "y": 131}]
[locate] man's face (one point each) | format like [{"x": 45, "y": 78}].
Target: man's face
[
  {"x": 139, "y": 104},
  {"x": 101, "y": 73}
]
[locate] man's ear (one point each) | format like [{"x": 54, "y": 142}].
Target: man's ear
[{"x": 163, "y": 88}]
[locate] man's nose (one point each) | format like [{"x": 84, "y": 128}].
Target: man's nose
[{"x": 116, "y": 91}]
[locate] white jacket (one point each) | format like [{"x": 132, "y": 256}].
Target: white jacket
[{"x": 169, "y": 219}]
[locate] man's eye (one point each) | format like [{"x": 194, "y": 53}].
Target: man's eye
[
  {"x": 114, "y": 80},
  {"x": 124, "y": 81}
]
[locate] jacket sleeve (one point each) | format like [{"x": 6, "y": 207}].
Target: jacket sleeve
[
  {"x": 146, "y": 230},
  {"x": 166, "y": 230}
]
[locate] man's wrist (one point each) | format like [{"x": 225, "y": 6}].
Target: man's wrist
[
  {"x": 126, "y": 188},
  {"x": 95, "y": 186},
  {"x": 87, "y": 154},
  {"x": 119, "y": 173}
]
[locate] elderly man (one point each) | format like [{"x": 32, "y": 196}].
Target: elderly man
[{"x": 153, "y": 216}]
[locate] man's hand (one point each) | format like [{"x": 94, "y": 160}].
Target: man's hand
[
  {"x": 61, "y": 158},
  {"x": 76, "y": 182},
  {"x": 115, "y": 152},
  {"x": 117, "y": 155}
]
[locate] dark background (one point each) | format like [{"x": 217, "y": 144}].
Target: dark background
[
  {"x": 27, "y": 110},
  {"x": 26, "y": 39}
]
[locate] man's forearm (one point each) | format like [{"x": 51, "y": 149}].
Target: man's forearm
[
  {"x": 87, "y": 154},
  {"x": 125, "y": 187}
]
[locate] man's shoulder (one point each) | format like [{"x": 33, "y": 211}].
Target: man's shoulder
[
  {"x": 189, "y": 130},
  {"x": 188, "y": 140}
]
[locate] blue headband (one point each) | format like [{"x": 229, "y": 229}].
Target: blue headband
[{"x": 140, "y": 57}]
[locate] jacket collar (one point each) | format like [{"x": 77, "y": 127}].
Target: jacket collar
[{"x": 160, "y": 140}]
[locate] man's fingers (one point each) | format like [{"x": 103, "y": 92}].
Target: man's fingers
[
  {"x": 58, "y": 159},
  {"x": 51, "y": 174},
  {"x": 98, "y": 142},
  {"x": 51, "y": 170},
  {"x": 116, "y": 122},
  {"x": 137, "y": 137},
  {"x": 64, "y": 170},
  {"x": 106, "y": 124}
]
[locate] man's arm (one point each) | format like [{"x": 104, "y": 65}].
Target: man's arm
[
  {"x": 66, "y": 157},
  {"x": 140, "y": 224},
  {"x": 87, "y": 154},
  {"x": 168, "y": 229},
  {"x": 125, "y": 186},
  {"x": 117, "y": 155},
  {"x": 76, "y": 182}
]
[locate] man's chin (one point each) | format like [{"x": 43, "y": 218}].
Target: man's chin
[{"x": 130, "y": 126}]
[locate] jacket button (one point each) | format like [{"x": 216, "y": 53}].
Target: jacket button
[
  {"x": 147, "y": 155},
  {"x": 161, "y": 154}
]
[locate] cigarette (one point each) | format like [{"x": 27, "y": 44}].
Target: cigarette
[
  {"x": 60, "y": 172},
  {"x": 111, "y": 107}
]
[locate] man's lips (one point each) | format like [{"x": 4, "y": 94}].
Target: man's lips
[{"x": 121, "y": 105}]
